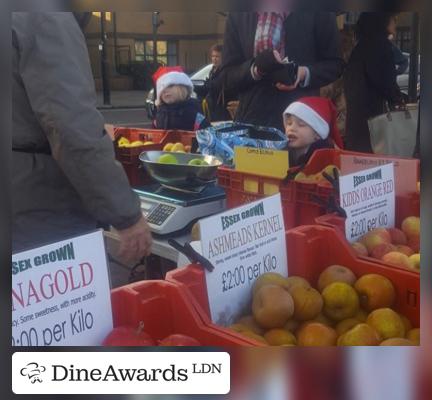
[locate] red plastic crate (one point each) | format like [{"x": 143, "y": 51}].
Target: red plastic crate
[
  {"x": 242, "y": 188},
  {"x": 405, "y": 206},
  {"x": 298, "y": 202},
  {"x": 129, "y": 156},
  {"x": 165, "y": 309},
  {"x": 185, "y": 137},
  {"x": 298, "y": 198},
  {"x": 310, "y": 250},
  {"x": 323, "y": 157}
]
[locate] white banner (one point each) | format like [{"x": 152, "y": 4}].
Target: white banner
[
  {"x": 368, "y": 197},
  {"x": 61, "y": 294},
  {"x": 121, "y": 373},
  {"x": 242, "y": 244}
]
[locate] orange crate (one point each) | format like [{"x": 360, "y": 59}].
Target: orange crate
[
  {"x": 405, "y": 206},
  {"x": 165, "y": 309},
  {"x": 310, "y": 249}
]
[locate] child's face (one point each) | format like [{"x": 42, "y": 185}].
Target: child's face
[
  {"x": 169, "y": 95},
  {"x": 300, "y": 134},
  {"x": 173, "y": 94}
]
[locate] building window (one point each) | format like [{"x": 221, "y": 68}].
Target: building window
[
  {"x": 351, "y": 18},
  {"x": 166, "y": 51},
  {"x": 403, "y": 39}
]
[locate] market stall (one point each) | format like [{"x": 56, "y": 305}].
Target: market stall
[
  {"x": 247, "y": 251},
  {"x": 317, "y": 242}
]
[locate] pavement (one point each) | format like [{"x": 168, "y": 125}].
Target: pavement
[
  {"x": 123, "y": 99},
  {"x": 127, "y": 108},
  {"x": 127, "y": 117}
]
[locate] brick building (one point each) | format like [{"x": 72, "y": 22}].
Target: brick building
[{"x": 183, "y": 39}]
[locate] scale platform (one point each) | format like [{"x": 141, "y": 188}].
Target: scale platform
[{"x": 172, "y": 212}]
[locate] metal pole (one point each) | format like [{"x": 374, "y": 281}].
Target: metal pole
[
  {"x": 155, "y": 24},
  {"x": 413, "y": 69},
  {"x": 104, "y": 62},
  {"x": 116, "y": 60}
]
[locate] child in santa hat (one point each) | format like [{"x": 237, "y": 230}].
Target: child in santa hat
[
  {"x": 310, "y": 124},
  {"x": 176, "y": 109}
]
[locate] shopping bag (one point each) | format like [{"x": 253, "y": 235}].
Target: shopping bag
[
  {"x": 394, "y": 133},
  {"x": 220, "y": 140}
]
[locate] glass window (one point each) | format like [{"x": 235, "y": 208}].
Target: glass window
[
  {"x": 166, "y": 51},
  {"x": 403, "y": 39},
  {"x": 139, "y": 50},
  {"x": 161, "y": 47},
  {"x": 149, "y": 47}
]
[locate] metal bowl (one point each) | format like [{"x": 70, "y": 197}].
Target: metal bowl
[{"x": 180, "y": 175}]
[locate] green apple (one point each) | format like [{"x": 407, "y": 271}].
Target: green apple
[
  {"x": 167, "y": 159},
  {"x": 196, "y": 162}
]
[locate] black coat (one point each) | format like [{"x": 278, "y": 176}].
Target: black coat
[
  {"x": 181, "y": 116},
  {"x": 217, "y": 98},
  {"x": 312, "y": 40},
  {"x": 369, "y": 81}
]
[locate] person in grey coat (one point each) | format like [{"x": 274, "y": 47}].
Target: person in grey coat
[{"x": 65, "y": 180}]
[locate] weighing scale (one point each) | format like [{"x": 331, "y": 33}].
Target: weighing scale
[{"x": 172, "y": 211}]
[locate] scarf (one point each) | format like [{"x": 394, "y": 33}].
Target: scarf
[{"x": 270, "y": 33}]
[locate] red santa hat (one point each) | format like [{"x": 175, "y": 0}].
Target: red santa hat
[
  {"x": 320, "y": 114},
  {"x": 167, "y": 76}
]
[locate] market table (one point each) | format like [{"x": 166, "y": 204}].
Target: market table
[{"x": 121, "y": 269}]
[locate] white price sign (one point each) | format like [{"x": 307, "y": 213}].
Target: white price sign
[
  {"x": 242, "y": 244},
  {"x": 368, "y": 197},
  {"x": 61, "y": 294}
]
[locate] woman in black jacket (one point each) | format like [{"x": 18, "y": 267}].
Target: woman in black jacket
[{"x": 369, "y": 78}]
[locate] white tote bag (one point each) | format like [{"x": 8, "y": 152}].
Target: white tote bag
[{"x": 394, "y": 133}]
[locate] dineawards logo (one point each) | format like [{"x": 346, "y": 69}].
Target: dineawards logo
[
  {"x": 33, "y": 371},
  {"x": 60, "y": 373},
  {"x": 121, "y": 372}
]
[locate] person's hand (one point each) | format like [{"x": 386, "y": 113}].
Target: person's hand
[
  {"x": 268, "y": 61},
  {"x": 135, "y": 242},
  {"x": 232, "y": 107},
  {"x": 286, "y": 75},
  {"x": 301, "y": 76}
]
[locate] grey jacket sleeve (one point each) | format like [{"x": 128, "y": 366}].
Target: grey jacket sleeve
[{"x": 55, "y": 70}]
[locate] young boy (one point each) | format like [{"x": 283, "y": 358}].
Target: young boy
[
  {"x": 175, "y": 107},
  {"x": 310, "y": 124}
]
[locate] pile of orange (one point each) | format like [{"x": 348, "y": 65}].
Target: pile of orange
[{"x": 342, "y": 310}]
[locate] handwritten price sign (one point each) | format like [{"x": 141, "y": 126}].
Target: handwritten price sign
[
  {"x": 242, "y": 244},
  {"x": 368, "y": 197}
]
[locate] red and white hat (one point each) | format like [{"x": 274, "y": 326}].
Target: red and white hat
[
  {"x": 167, "y": 76},
  {"x": 320, "y": 114}
]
